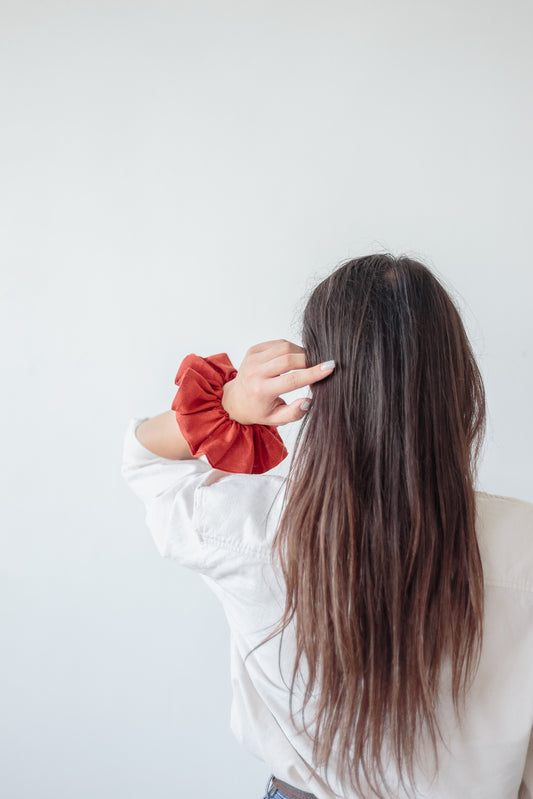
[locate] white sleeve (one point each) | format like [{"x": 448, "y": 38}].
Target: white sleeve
[
  {"x": 168, "y": 490},
  {"x": 206, "y": 519}
]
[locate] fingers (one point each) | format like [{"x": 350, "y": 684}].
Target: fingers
[
  {"x": 300, "y": 378},
  {"x": 271, "y": 349},
  {"x": 285, "y": 414},
  {"x": 283, "y": 363},
  {"x": 286, "y": 362}
]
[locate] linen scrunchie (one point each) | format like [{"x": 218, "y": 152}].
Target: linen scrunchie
[{"x": 206, "y": 426}]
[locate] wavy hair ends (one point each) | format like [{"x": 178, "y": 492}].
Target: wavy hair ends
[{"x": 376, "y": 540}]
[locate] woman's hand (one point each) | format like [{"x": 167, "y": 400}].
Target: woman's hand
[{"x": 252, "y": 397}]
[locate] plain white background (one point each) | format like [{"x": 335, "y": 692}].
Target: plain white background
[{"x": 175, "y": 178}]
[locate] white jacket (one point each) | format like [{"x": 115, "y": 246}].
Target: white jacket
[{"x": 222, "y": 524}]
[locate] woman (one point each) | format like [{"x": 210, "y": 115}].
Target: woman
[{"x": 381, "y": 608}]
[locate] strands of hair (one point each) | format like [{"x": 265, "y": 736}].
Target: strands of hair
[{"x": 376, "y": 540}]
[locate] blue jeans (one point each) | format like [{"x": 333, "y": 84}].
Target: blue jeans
[{"x": 271, "y": 792}]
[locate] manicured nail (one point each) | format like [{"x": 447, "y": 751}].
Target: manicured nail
[
  {"x": 327, "y": 365},
  {"x": 305, "y": 405}
]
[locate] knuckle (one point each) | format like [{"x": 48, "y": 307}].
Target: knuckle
[
  {"x": 254, "y": 390},
  {"x": 293, "y": 380},
  {"x": 285, "y": 363}
]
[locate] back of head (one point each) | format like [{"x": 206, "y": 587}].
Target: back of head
[{"x": 377, "y": 540}]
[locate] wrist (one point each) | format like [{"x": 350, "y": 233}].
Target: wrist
[
  {"x": 226, "y": 400},
  {"x": 202, "y": 391}
]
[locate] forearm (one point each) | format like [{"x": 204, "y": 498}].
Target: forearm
[{"x": 162, "y": 436}]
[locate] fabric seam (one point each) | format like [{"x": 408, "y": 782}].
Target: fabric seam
[
  {"x": 525, "y": 586},
  {"x": 223, "y": 543}
]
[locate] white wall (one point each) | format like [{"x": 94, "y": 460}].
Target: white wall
[{"x": 175, "y": 177}]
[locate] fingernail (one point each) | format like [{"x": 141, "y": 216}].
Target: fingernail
[
  {"x": 327, "y": 365},
  {"x": 305, "y": 405}
]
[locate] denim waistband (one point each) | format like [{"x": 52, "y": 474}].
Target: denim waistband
[{"x": 272, "y": 792}]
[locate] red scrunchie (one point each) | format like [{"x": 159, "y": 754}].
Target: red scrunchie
[{"x": 206, "y": 426}]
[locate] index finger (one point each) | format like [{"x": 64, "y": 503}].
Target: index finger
[{"x": 302, "y": 377}]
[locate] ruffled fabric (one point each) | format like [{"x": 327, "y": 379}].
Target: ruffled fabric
[{"x": 206, "y": 426}]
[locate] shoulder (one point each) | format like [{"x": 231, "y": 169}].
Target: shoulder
[
  {"x": 241, "y": 511},
  {"x": 505, "y": 535}
]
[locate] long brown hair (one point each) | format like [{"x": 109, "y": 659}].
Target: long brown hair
[{"x": 377, "y": 540}]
